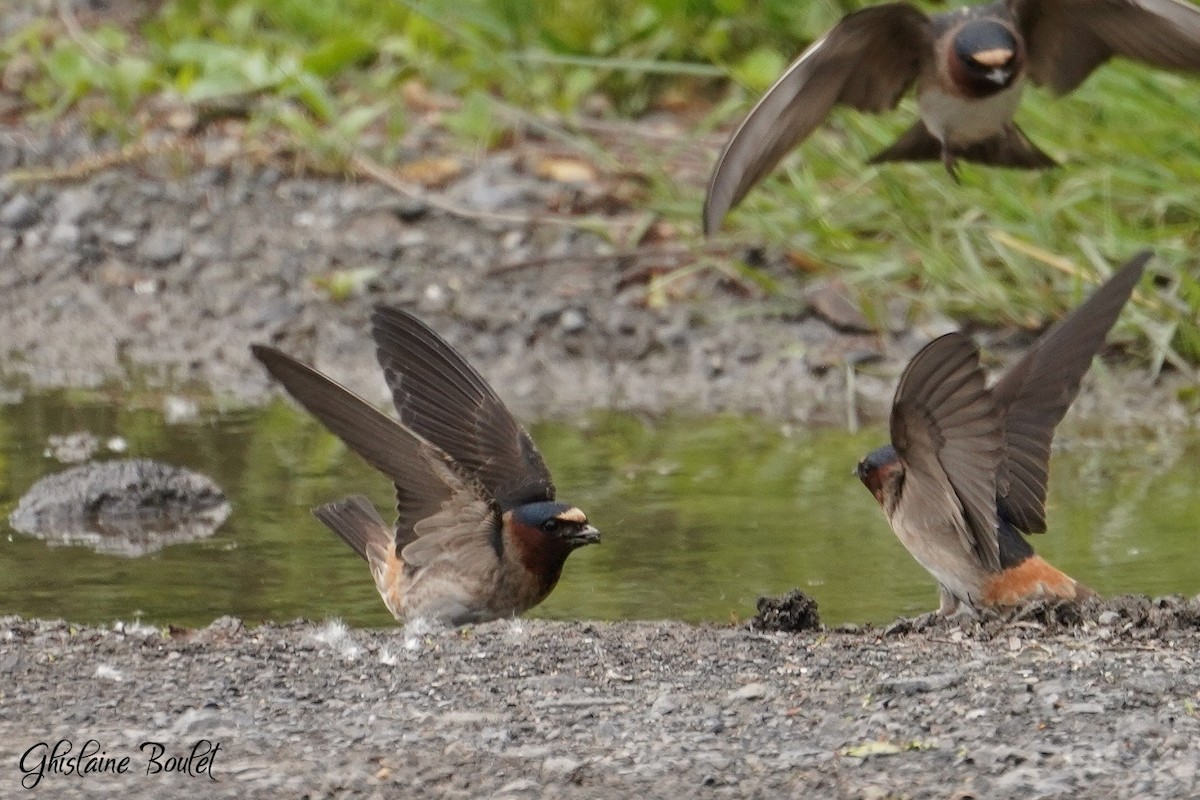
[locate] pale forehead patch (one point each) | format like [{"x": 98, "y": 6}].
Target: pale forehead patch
[
  {"x": 572, "y": 515},
  {"x": 996, "y": 57}
]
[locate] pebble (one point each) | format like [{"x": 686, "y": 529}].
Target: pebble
[
  {"x": 560, "y": 766},
  {"x": 19, "y": 213},
  {"x": 751, "y": 691},
  {"x": 163, "y": 245},
  {"x": 77, "y": 204}
]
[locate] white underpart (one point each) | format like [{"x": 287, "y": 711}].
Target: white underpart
[
  {"x": 937, "y": 546},
  {"x": 958, "y": 121}
]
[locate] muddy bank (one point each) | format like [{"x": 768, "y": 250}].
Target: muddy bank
[
  {"x": 1014, "y": 708},
  {"x": 164, "y": 268}
]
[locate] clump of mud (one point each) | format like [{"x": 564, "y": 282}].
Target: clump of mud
[{"x": 793, "y": 613}]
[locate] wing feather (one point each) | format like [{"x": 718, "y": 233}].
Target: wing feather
[
  {"x": 867, "y": 61},
  {"x": 441, "y": 397},
  {"x": 946, "y": 431},
  {"x": 433, "y": 496},
  {"x": 1067, "y": 39},
  {"x": 1033, "y": 396}
]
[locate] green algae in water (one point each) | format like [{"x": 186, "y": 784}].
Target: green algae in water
[{"x": 700, "y": 517}]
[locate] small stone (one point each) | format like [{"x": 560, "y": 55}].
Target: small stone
[
  {"x": 665, "y": 703},
  {"x": 162, "y": 246},
  {"x": 410, "y": 209},
  {"x": 1109, "y": 618},
  {"x": 572, "y": 321},
  {"x": 19, "y": 213},
  {"x": 521, "y": 786},
  {"x": 122, "y": 237},
  {"x": 920, "y": 685},
  {"x": 560, "y": 767},
  {"x": 376, "y": 232},
  {"x": 64, "y": 234},
  {"x": 76, "y": 205},
  {"x": 751, "y": 691},
  {"x": 71, "y": 448}
]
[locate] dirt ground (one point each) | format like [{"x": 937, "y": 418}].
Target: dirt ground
[{"x": 163, "y": 269}]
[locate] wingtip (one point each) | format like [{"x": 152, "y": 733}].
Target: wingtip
[
  {"x": 392, "y": 317},
  {"x": 260, "y": 351},
  {"x": 270, "y": 357},
  {"x": 712, "y": 214},
  {"x": 1139, "y": 260}
]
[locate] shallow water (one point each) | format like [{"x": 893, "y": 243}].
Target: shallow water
[{"x": 700, "y": 517}]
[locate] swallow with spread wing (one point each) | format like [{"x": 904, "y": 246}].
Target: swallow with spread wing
[
  {"x": 968, "y": 65},
  {"x": 965, "y": 474},
  {"x": 478, "y": 533}
]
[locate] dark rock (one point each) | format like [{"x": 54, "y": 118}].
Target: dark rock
[
  {"x": 19, "y": 213},
  {"x": 124, "y": 507}
]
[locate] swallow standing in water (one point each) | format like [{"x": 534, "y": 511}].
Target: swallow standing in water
[
  {"x": 965, "y": 474},
  {"x": 478, "y": 533},
  {"x": 969, "y": 66}
]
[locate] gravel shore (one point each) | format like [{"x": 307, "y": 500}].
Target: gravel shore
[{"x": 1041, "y": 703}]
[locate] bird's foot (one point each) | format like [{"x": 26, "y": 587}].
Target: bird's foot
[{"x": 951, "y": 164}]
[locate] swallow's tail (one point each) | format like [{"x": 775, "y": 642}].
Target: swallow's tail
[
  {"x": 915, "y": 144},
  {"x": 359, "y": 524},
  {"x": 1010, "y": 148},
  {"x": 1033, "y": 579}
]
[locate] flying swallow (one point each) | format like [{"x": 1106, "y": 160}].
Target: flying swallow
[
  {"x": 969, "y": 67},
  {"x": 476, "y": 538},
  {"x": 965, "y": 474}
]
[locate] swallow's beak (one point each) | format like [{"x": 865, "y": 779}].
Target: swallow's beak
[
  {"x": 997, "y": 57},
  {"x": 999, "y": 64},
  {"x": 588, "y": 534}
]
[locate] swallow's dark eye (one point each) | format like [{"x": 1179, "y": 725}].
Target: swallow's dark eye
[{"x": 551, "y": 525}]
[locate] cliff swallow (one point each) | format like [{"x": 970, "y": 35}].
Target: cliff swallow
[
  {"x": 478, "y": 536},
  {"x": 969, "y": 66},
  {"x": 965, "y": 474}
]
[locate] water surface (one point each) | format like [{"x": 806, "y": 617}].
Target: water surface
[{"x": 700, "y": 517}]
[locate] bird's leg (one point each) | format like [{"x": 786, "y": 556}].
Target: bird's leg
[
  {"x": 950, "y": 162},
  {"x": 948, "y": 608},
  {"x": 951, "y": 607}
]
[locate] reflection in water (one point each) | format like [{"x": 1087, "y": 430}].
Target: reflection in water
[{"x": 700, "y": 517}]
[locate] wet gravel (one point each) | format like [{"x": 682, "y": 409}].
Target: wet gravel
[{"x": 1026, "y": 706}]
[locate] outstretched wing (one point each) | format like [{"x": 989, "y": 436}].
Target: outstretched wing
[
  {"x": 433, "y": 497},
  {"x": 1067, "y": 39},
  {"x": 1034, "y": 395},
  {"x": 441, "y": 397},
  {"x": 867, "y": 61}
]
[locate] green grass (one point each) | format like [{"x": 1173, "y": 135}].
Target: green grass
[{"x": 1002, "y": 248}]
